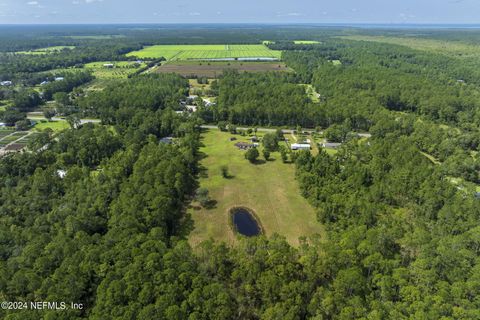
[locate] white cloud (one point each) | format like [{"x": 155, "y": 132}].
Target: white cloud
[
  {"x": 33, "y": 3},
  {"x": 194, "y": 13},
  {"x": 92, "y": 1}
]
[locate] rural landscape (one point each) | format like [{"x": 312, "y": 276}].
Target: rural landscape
[{"x": 239, "y": 171}]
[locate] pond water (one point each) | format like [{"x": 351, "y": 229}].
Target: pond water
[{"x": 245, "y": 223}]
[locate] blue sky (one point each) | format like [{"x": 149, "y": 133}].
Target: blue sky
[{"x": 244, "y": 11}]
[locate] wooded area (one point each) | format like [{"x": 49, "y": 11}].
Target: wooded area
[{"x": 97, "y": 214}]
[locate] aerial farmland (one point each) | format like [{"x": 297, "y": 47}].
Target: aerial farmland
[{"x": 208, "y": 52}]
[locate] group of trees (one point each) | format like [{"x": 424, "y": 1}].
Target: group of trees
[
  {"x": 261, "y": 99},
  {"x": 401, "y": 235},
  {"x": 69, "y": 82}
]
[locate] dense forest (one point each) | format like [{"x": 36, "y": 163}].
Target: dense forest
[{"x": 97, "y": 214}]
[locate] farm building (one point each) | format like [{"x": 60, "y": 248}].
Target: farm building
[
  {"x": 6, "y": 83},
  {"x": 108, "y": 65},
  {"x": 300, "y": 146},
  {"x": 332, "y": 145},
  {"x": 59, "y": 78}
]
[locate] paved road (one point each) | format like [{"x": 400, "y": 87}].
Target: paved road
[
  {"x": 82, "y": 121},
  {"x": 245, "y": 128},
  {"x": 286, "y": 131}
]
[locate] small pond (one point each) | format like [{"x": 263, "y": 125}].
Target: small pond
[{"x": 244, "y": 222}]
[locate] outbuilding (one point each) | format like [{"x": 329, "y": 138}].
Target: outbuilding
[{"x": 300, "y": 146}]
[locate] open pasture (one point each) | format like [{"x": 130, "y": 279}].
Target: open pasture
[
  {"x": 205, "y": 52},
  {"x": 268, "y": 188},
  {"x": 121, "y": 69},
  {"x": 46, "y": 50},
  {"x": 191, "y": 69}
]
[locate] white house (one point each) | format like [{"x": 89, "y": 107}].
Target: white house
[
  {"x": 108, "y": 65},
  {"x": 300, "y": 146},
  {"x": 6, "y": 83},
  {"x": 59, "y": 78}
]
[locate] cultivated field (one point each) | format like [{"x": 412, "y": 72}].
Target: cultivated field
[
  {"x": 190, "y": 69},
  {"x": 268, "y": 188},
  {"x": 202, "y": 52}
]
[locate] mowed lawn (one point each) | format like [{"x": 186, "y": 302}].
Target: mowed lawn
[
  {"x": 211, "y": 51},
  {"x": 268, "y": 188},
  {"x": 54, "y": 125}
]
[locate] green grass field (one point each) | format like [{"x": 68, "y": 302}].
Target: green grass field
[
  {"x": 46, "y": 50},
  {"x": 268, "y": 188},
  {"x": 54, "y": 125},
  {"x": 202, "y": 52},
  {"x": 121, "y": 70}
]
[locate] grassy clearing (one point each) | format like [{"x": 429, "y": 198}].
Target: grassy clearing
[
  {"x": 268, "y": 188},
  {"x": 306, "y": 42},
  {"x": 54, "y": 125},
  {"x": 312, "y": 93},
  {"x": 453, "y": 48},
  {"x": 202, "y": 52},
  {"x": 121, "y": 70},
  {"x": 47, "y": 50}
]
